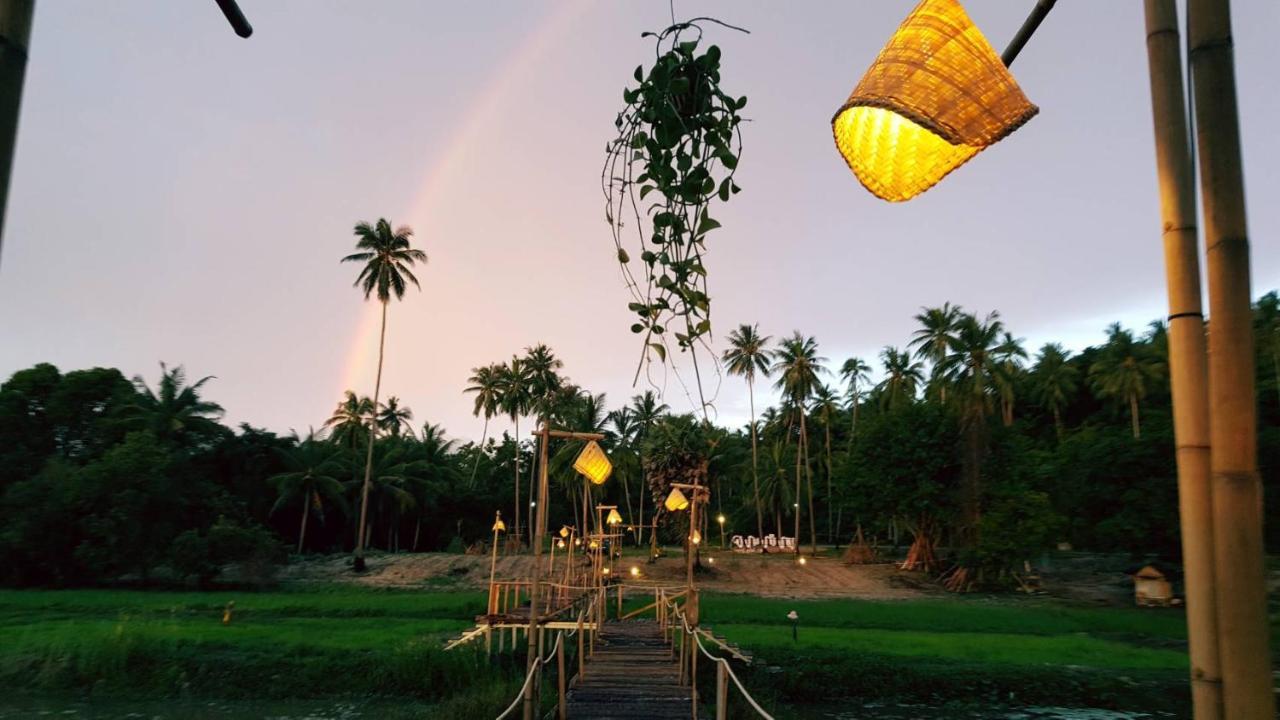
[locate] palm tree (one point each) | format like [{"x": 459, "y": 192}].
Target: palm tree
[
  {"x": 825, "y": 407},
  {"x": 1267, "y": 331},
  {"x": 974, "y": 367},
  {"x": 434, "y": 473},
  {"x": 622, "y": 434},
  {"x": 797, "y": 363},
  {"x": 1053, "y": 381},
  {"x": 514, "y": 399},
  {"x": 311, "y": 467},
  {"x": 348, "y": 422},
  {"x": 1124, "y": 371},
  {"x": 546, "y": 391},
  {"x": 934, "y": 339},
  {"x": 174, "y": 411},
  {"x": 486, "y": 383},
  {"x": 647, "y": 409},
  {"x": 901, "y": 377},
  {"x": 855, "y": 373},
  {"x": 1009, "y": 374},
  {"x": 392, "y": 418},
  {"x": 747, "y": 355},
  {"x": 387, "y": 257}
]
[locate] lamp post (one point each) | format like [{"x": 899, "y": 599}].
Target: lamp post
[
  {"x": 498, "y": 526},
  {"x": 595, "y": 466},
  {"x": 720, "y": 519}
]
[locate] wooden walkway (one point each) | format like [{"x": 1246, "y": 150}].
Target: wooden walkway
[{"x": 632, "y": 676}]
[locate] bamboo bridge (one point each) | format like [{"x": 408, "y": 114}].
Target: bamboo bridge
[{"x": 642, "y": 664}]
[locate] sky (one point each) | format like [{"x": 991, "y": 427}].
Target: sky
[{"x": 183, "y": 195}]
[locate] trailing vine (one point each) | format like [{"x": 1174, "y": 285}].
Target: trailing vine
[{"x": 677, "y": 149}]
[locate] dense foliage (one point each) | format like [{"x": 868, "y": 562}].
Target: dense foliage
[{"x": 103, "y": 479}]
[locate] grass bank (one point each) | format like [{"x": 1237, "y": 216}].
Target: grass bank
[
  {"x": 318, "y": 643},
  {"x": 958, "y": 650}
]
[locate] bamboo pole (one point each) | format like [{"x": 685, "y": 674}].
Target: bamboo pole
[
  {"x": 560, "y": 704},
  {"x": 15, "y": 38},
  {"x": 1187, "y": 359},
  {"x": 535, "y": 639},
  {"x": 1233, "y": 433}
]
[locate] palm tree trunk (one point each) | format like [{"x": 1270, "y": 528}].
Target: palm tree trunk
[
  {"x": 358, "y": 564},
  {"x": 830, "y": 503},
  {"x": 1057, "y": 421},
  {"x": 644, "y": 490},
  {"x": 755, "y": 462},
  {"x": 533, "y": 479},
  {"x": 480, "y": 449},
  {"x": 808, "y": 474},
  {"x": 302, "y": 531},
  {"x": 516, "y": 514},
  {"x": 417, "y": 529},
  {"x": 795, "y": 503},
  {"x": 1133, "y": 415}
]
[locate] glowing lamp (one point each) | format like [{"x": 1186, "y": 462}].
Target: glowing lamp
[
  {"x": 676, "y": 501},
  {"x": 593, "y": 545},
  {"x": 604, "y": 571},
  {"x": 696, "y": 537},
  {"x": 498, "y": 525},
  {"x": 720, "y": 518},
  {"x": 614, "y": 517},
  {"x": 802, "y": 560},
  {"x": 577, "y": 542},
  {"x": 564, "y": 531},
  {"x": 635, "y": 571},
  {"x": 560, "y": 543},
  {"x": 593, "y": 464},
  {"x": 936, "y": 95}
]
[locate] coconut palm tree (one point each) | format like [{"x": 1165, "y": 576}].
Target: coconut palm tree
[
  {"x": 934, "y": 339},
  {"x": 310, "y": 478},
  {"x": 392, "y": 418},
  {"x": 1053, "y": 381},
  {"x": 1009, "y": 374},
  {"x": 748, "y": 354},
  {"x": 647, "y": 410},
  {"x": 546, "y": 391},
  {"x": 974, "y": 368},
  {"x": 174, "y": 412},
  {"x": 901, "y": 378},
  {"x": 1124, "y": 371},
  {"x": 514, "y": 398},
  {"x": 348, "y": 423},
  {"x": 798, "y": 365},
  {"x": 825, "y": 407},
  {"x": 486, "y": 383},
  {"x": 387, "y": 257},
  {"x": 433, "y": 474},
  {"x": 855, "y": 373}
]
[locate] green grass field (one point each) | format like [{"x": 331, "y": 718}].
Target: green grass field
[{"x": 350, "y": 642}]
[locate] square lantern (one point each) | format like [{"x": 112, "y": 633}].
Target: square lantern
[
  {"x": 676, "y": 501},
  {"x": 936, "y": 95},
  {"x": 593, "y": 464}
]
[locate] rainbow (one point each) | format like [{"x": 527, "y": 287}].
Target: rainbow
[{"x": 358, "y": 369}]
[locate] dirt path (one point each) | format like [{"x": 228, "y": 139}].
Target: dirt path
[{"x": 771, "y": 575}]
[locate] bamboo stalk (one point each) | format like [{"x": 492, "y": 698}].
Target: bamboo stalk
[
  {"x": 1243, "y": 631},
  {"x": 15, "y": 37},
  {"x": 1187, "y": 360}
]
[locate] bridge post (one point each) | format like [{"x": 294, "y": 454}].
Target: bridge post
[
  {"x": 560, "y": 674},
  {"x": 722, "y": 691},
  {"x": 693, "y": 671},
  {"x": 582, "y": 658}
]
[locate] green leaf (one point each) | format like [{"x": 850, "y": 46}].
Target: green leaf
[
  {"x": 639, "y": 74},
  {"x": 637, "y": 328},
  {"x": 623, "y": 257},
  {"x": 707, "y": 225},
  {"x": 660, "y": 350}
]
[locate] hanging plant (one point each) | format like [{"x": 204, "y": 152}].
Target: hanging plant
[{"x": 677, "y": 149}]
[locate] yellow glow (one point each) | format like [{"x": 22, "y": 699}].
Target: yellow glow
[
  {"x": 936, "y": 95},
  {"x": 720, "y": 518},
  {"x": 560, "y": 544},
  {"x": 498, "y": 525},
  {"x": 696, "y": 537},
  {"x": 635, "y": 571},
  {"x": 604, "y": 571},
  {"x": 577, "y": 542},
  {"x": 614, "y": 517},
  {"x": 892, "y": 156},
  {"x": 711, "y": 560},
  {"x": 564, "y": 531},
  {"x": 676, "y": 501},
  {"x": 593, "y": 545},
  {"x": 803, "y": 560},
  {"x": 593, "y": 464}
]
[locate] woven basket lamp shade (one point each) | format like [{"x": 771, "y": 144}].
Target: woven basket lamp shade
[
  {"x": 936, "y": 95},
  {"x": 593, "y": 464},
  {"x": 614, "y": 517},
  {"x": 676, "y": 501}
]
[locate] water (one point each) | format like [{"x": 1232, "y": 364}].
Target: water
[
  {"x": 891, "y": 711},
  {"x": 65, "y": 709}
]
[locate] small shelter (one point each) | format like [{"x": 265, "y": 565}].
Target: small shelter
[{"x": 1153, "y": 584}]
